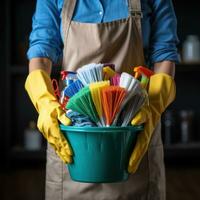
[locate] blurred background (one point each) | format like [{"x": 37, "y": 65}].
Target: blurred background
[{"x": 22, "y": 174}]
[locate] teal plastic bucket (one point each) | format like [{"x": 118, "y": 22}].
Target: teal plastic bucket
[{"x": 100, "y": 154}]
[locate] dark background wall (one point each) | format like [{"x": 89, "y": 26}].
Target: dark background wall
[
  {"x": 2, "y": 76},
  {"x": 188, "y": 16}
]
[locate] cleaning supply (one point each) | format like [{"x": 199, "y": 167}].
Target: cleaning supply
[
  {"x": 144, "y": 73},
  {"x": 73, "y": 88},
  {"x": 112, "y": 98},
  {"x": 95, "y": 89},
  {"x": 108, "y": 72},
  {"x": 63, "y": 100},
  {"x": 161, "y": 93},
  {"x": 79, "y": 120},
  {"x": 68, "y": 77},
  {"x": 134, "y": 104},
  {"x": 56, "y": 88},
  {"x": 135, "y": 98},
  {"x": 111, "y": 65},
  {"x": 90, "y": 73},
  {"x": 115, "y": 79},
  {"x": 132, "y": 87},
  {"x": 39, "y": 87},
  {"x": 82, "y": 103},
  {"x": 131, "y": 84}
]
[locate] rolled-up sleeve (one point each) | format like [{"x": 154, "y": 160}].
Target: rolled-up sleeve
[
  {"x": 45, "y": 39},
  {"x": 164, "y": 40}
]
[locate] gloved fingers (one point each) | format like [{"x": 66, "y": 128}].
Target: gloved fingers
[
  {"x": 61, "y": 150},
  {"x": 62, "y": 117},
  {"x": 60, "y": 141},
  {"x": 141, "y": 117},
  {"x": 52, "y": 133},
  {"x": 138, "y": 152},
  {"x": 65, "y": 145},
  {"x": 142, "y": 144},
  {"x": 64, "y": 157}
]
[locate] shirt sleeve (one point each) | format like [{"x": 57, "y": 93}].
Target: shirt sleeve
[
  {"x": 45, "y": 39},
  {"x": 163, "y": 40}
]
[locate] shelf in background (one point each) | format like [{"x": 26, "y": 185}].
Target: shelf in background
[
  {"x": 190, "y": 150},
  {"x": 21, "y": 154},
  {"x": 19, "y": 70},
  {"x": 188, "y": 67}
]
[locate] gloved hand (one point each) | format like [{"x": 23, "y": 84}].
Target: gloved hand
[
  {"x": 39, "y": 87},
  {"x": 161, "y": 93}
]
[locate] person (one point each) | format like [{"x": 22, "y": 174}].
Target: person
[{"x": 124, "y": 32}]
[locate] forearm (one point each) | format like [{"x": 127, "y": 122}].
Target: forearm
[
  {"x": 40, "y": 63},
  {"x": 167, "y": 67}
]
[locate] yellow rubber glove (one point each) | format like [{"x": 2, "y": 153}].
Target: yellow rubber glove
[
  {"x": 161, "y": 92},
  {"x": 39, "y": 87}
]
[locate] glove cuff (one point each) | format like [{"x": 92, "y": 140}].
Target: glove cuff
[
  {"x": 162, "y": 91},
  {"x": 39, "y": 88}
]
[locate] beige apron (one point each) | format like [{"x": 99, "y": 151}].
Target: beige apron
[{"x": 117, "y": 42}]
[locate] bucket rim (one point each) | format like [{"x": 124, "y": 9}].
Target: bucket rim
[{"x": 102, "y": 129}]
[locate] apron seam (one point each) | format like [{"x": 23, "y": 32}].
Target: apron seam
[
  {"x": 148, "y": 182},
  {"x": 62, "y": 192}
]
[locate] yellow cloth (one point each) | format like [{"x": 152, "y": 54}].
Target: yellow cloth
[
  {"x": 39, "y": 87},
  {"x": 161, "y": 92}
]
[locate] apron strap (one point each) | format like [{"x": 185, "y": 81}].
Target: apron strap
[
  {"x": 69, "y": 6},
  {"x": 135, "y": 11},
  {"x": 68, "y": 10},
  {"x": 67, "y": 13}
]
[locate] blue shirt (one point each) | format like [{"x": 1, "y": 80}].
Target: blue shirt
[{"x": 158, "y": 26}]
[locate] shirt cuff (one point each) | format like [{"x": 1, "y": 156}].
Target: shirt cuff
[
  {"x": 43, "y": 51},
  {"x": 164, "y": 53}
]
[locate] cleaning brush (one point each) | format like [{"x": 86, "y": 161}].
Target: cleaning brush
[
  {"x": 90, "y": 73},
  {"x": 132, "y": 87},
  {"x": 112, "y": 98},
  {"x": 132, "y": 107},
  {"x": 82, "y": 103},
  {"x": 108, "y": 72},
  {"x": 95, "y": 89},
  {"x": 73, "y": 88},
  {"x": 131, "y": 84},
  {"x": 115, "y": 80}
]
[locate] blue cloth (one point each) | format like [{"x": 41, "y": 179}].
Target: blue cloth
[
  {"x": 79, "y": 120},
  {"x": 158, "y": 26}
]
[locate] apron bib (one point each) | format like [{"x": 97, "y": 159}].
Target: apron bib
[{"x": 117, "y": 42}]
